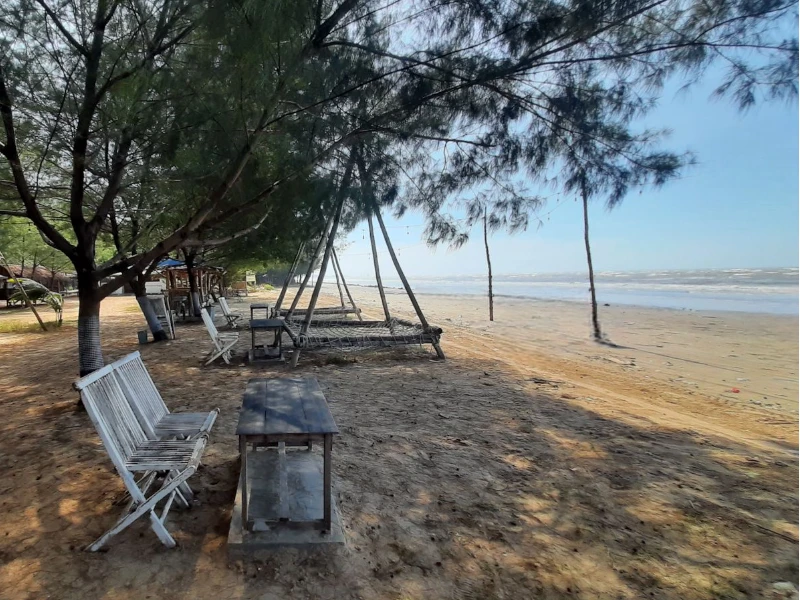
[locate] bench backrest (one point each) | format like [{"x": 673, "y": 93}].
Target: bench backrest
[
  {"x": 111, "y": 414},
  {"x": 142, "y": 393},
  {"x": 223, "y": 304},
  {"x": 212, "y": 329}
]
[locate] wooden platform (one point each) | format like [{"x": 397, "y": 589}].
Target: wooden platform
[
  {"x": 293, "y": 493},
  {"x": 284, "y": 412}
]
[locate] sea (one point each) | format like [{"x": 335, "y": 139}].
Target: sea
[{"x": 773, "y": 291}]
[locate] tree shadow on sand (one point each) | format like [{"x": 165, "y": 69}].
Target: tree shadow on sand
[{"x": 455, "y": 480}]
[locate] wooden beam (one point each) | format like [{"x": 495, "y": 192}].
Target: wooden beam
[
  {"x": 289, "y": 277},
  {"x": 310, "y": 270},
  {"x": 348, "y": 172},
  {"x": 423, "y": 321},
  {"x": 378, "y": 270},
  {"x": 336, "y": 265}
]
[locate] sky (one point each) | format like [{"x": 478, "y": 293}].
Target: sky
[{"x": 737, "y": 208}]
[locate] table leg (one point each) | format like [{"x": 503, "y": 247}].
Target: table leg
[
  {"x": 326, "y": 485},
  {"x": 253, "y": 339},
  {"x": 243, "y": 453}
]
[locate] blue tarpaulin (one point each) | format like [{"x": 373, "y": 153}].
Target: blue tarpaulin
[{"x": 170, "y": 262}]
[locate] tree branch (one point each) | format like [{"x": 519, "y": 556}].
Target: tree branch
[{"x": 72, "y": 41}]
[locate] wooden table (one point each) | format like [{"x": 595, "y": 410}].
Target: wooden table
[
  {"x": 276, "y": 326},
  {"x": 291, "y": 411}
]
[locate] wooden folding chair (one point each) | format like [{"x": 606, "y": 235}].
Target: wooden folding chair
[
  {"x": 132, "y": 452},
  {"x": 223, "y": 342},
  {"x": 149, "y": 407},
  {"x": 226, "y": 311}
]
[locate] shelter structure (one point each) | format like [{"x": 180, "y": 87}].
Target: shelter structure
[
  {"x": 209, "y": 283},
  {"x": 55, "y": 281}
]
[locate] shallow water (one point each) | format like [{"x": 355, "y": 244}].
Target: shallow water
[{"x": 772, "y": 291}]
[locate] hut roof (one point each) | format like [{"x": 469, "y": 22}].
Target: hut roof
[{"x": 40, "y": 274}]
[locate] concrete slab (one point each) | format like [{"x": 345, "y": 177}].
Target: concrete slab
[{"x": 292, "y": 495}]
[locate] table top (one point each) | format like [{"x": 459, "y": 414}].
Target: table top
[
  {"x": 285, "y": 406},
  {"x": 259, "y": 306},
  {"x": 266, "y": 323}
]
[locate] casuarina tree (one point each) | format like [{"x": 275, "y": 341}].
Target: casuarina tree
[{"x": 205, "y": 90}]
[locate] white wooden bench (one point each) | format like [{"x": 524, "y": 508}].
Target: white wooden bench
[
  {"x": 133, "y": 452},
  {"x": 230, "y": 316},
  {"x": 223, "y": 342},
  {"x": 149, "y": 407}
]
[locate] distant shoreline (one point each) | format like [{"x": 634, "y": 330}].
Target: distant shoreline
[{"x": 755, "y": 305}]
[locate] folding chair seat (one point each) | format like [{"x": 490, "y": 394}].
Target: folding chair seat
[{"x": 223, "y": 342}]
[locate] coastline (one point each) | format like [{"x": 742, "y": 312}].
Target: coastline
[
  {"x": 708, "y": 352},
  {"x": 794, "y": 310}
]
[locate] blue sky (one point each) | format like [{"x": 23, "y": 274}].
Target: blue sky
[{"x": 738, "y": 207}]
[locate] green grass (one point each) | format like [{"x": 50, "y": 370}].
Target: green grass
[{"x": 28, "y": 327}]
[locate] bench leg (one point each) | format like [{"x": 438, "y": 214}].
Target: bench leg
[
  {"x": 326, "y": 485},
  {"x": 243, "y": 453}
]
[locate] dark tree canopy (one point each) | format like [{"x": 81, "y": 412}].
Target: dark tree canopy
[{"x": 169, "y": 124}]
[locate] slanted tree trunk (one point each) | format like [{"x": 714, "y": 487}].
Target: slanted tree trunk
[
  {"x": 488, "y": 264},
  {"x": 139, "y": 288},
  {"x": 598, "y": 335},
  {"x": 90, "y": 352}
]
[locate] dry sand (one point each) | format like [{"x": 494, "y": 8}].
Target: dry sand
[{"x": 532, "y": 463}]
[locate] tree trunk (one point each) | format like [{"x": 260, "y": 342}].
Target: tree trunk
[
  {"x": 194, "y": 293},
  {"x": 488, "y": 264},
  {"x": 598, "y": 335},
  {"x": 90, "y": 352},
  {"x": 378, "y": 279}
]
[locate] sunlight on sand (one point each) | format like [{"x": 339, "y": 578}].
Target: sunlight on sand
[{"x": 474, "y": 478}]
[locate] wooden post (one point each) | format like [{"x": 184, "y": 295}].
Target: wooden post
[
  {"x": 326, "y": 482},
  {"x": 306, "y": 279},
  {"x": 336, "y": 265},
  {"x": 423, "y": 321},
  {"x": 326, "y": 257},
  {"x": 24, "y": 294},
  {"x": 288, "y": 279},
  {"x": 338, "y": 283},
  {"x": 378, "y": 270},
  {"x": 243, "y": 475}
]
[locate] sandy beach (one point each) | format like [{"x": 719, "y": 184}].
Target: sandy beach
[
  {"x": 532, "y": 463},
  {"x": 708, "y": 353}
]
